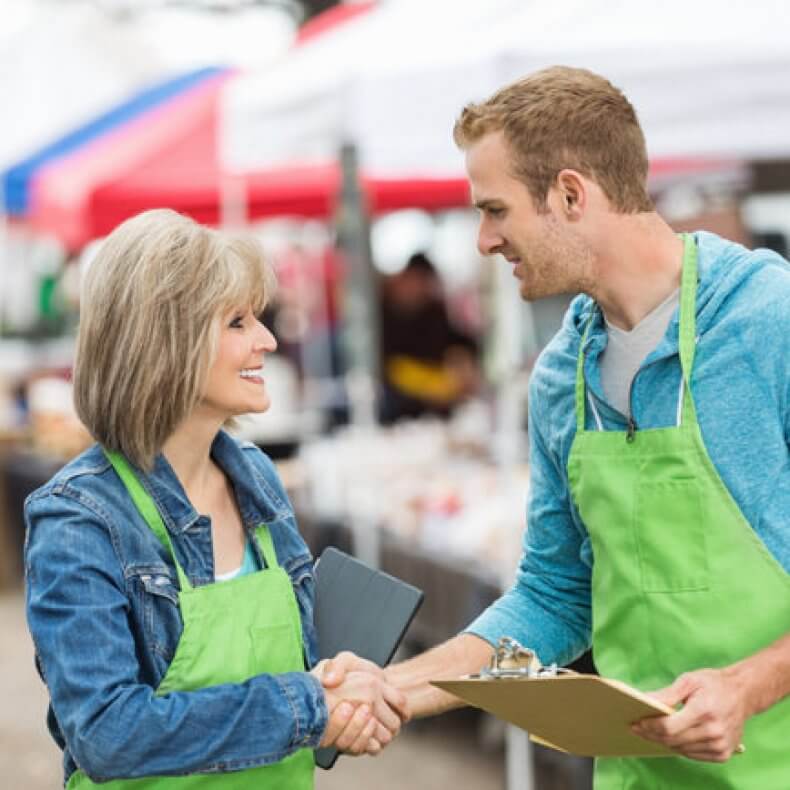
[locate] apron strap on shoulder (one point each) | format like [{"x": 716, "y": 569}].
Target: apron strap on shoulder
[
  {"x": 266, "y": 543},
  {"x": 147, "y": 507}
]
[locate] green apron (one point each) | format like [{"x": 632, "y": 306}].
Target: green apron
[
  {"x": 680, "y": 580},
  {"x": 228, "y": 637}
]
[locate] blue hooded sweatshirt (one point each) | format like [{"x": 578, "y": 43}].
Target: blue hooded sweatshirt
[{"x": 741, "y": 389}]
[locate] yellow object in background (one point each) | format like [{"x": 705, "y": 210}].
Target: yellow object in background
[{"x": 425, "y": 380}]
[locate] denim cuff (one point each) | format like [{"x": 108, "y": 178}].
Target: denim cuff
[{"x": 305, "y": 695}]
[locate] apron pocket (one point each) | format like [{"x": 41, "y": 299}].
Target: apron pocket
[{"x": 670, "y": 537}]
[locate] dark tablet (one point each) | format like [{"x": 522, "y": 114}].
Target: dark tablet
[{"x": 360, "y": 609}]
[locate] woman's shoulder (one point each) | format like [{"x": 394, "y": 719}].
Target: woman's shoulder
[{"x": 80, "y": 477}]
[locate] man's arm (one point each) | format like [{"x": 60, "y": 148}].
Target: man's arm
[
  {"x": 717, "y": 703},
  {"x": 461, "y": 655}
]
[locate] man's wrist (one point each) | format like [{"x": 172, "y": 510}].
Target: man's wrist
[{"x": 763, "y": 679}]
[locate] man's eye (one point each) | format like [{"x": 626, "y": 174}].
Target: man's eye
[{"x": 496, "y": 212}]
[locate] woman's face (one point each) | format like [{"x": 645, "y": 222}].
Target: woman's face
[{"x": 236, "y": 382}]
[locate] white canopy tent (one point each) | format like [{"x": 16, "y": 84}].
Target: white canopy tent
[
  {"x": 64, "y": 63},
  {"x": 707, "y": 79}
]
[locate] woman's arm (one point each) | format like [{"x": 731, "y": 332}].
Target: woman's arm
[{"x": 113, "y": 722}]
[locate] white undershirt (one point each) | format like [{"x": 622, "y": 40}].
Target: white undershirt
[{"x": 626, "y": 351}]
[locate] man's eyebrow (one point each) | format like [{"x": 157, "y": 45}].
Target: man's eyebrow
[{"x": 485, "y": 203}]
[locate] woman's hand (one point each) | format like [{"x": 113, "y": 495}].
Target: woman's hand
[{"x": 365, "y": 713}]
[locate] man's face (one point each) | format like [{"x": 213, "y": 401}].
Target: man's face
[{"x": 548, "y": 256}]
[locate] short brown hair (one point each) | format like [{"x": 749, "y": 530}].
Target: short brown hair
[
  {"x": 151, "y": 304},
  {"x": 564, "y": 117}
]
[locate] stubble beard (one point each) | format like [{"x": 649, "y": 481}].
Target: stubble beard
[{"x": 562, "y": 264}]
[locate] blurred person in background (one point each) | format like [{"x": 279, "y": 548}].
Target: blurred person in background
[
  {"x": 169, "y": 592},
  {"x": 428, "y": 364},
  {"x": 659, "y": 427}
]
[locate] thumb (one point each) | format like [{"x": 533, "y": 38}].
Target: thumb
[
  {"x": 334, "y": 673},
  {"x": 676, "y": 693}
]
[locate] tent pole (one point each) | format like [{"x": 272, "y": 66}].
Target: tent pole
[{"x": 361, "y": 311}]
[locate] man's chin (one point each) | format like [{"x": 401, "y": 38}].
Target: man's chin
[{"x": 532, "y": 292}]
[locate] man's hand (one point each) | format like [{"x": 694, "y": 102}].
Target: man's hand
[
  {"x": 710, "y": 725},
  {"x": 365, "y": 712},
  {"x": 332, "y": 671}
]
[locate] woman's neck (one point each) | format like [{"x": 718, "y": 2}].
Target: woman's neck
[{"x": 188, "y": 451}]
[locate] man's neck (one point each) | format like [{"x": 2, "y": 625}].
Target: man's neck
[{"x": 638, "y": 265}]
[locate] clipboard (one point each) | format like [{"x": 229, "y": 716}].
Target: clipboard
[
  {"x": 571, "y": 712},
  {"x": 361, "y": 609}
]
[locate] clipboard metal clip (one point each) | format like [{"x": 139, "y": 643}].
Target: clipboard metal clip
[{"x": 512, "y": 660}]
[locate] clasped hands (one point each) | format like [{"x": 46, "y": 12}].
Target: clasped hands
[{"x": 365, "y": 712}]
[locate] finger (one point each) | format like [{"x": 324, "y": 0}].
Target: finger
[
  {"x": 361, "y": 743},
  {"x": 706, "y": 754},
  {"x": 383, "y": 735},
  {"x": 354, "y": 728},
  {"x": 338, "y": 721},
  {"x": 332, "y": 674},
  {"x": 398, "y": 701},
  {"x": 677, "y": 692},
  {"x": 709, "y": 740},
  {"x": 387, "y": 716},
  {"x": 374, "y": 748},
  {"x": 674, "y": 724},
  {"x": 338, "y": 667}
]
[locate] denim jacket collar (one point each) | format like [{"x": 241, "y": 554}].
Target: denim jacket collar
[{"x": 257, "y": 500}]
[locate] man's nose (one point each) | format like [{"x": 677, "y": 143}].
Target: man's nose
[{"x": 488, "y": 242}]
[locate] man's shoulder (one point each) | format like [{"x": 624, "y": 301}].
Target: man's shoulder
[{"x": 738, "y": 284}]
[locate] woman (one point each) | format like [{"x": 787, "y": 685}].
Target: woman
[{"x": 169, "y": 593}]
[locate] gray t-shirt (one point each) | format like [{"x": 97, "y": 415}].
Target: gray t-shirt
[{"x": 625, "y": 351}]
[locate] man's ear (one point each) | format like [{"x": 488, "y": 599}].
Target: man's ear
[{"x": 572, "y": 193}]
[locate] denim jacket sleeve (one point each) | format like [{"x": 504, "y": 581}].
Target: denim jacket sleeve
[
  {"x": 548, "y": 606},
  {"x": 113, "y": 723}
]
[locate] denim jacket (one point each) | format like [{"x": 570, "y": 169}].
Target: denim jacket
[{"x": 102, "y": 606}]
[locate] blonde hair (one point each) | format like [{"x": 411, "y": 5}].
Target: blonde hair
[
  {"x": 151, "y": 305},
  {"x": 564, "y": 117}
]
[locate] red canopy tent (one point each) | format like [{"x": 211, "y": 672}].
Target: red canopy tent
[{"x": 169, "y": 158}]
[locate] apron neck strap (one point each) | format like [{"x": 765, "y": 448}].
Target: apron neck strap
[
  {"x": 687, "y": 338},
  {"x": 266, "y": 544},
  {"x": 581, "y": 420},
  {"x": 147, "y": 507},
  {"x": 688, "y": 319}
]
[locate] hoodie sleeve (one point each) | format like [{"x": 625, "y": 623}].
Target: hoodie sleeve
[{"x": 548, "y": 606}]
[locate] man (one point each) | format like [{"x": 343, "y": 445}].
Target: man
[{"x": 659, "y": 419}]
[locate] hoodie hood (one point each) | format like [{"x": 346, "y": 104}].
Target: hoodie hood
[{"x": 723, "y": 267}]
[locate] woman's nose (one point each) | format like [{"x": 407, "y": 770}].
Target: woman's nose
[{"x": 266, "y": 341}]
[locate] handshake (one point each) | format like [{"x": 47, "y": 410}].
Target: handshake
[{"x": 365, "y": 712}]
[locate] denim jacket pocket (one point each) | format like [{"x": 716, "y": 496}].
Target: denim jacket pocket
[{"x": 158, "y": 595}]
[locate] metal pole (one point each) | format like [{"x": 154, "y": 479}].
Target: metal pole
[{"x": 360, "y": 309}]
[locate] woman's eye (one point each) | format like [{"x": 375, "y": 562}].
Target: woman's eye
[{"x": 237, "y": 322}]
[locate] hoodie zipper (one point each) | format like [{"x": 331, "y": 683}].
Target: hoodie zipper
[{"x": 630, "y": 433}]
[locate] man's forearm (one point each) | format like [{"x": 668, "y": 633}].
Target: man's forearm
[
  {"x": 461, "y": 655},
  {"x": 765, "y": 676}
]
